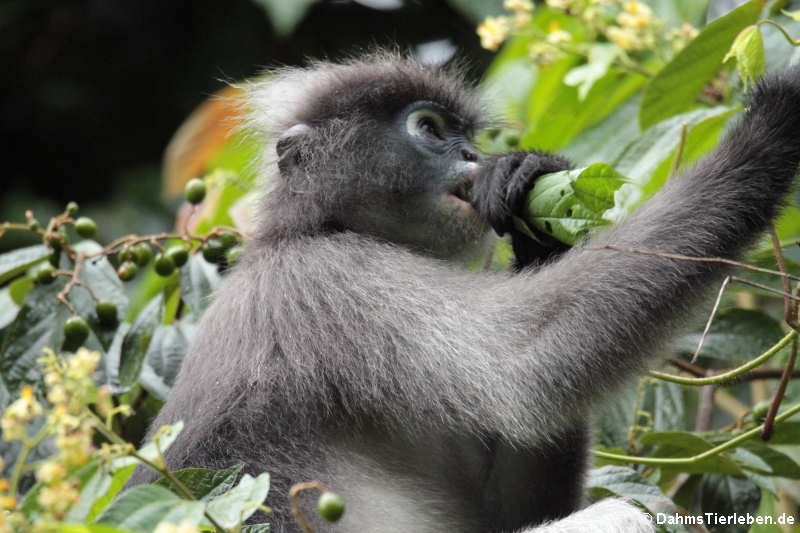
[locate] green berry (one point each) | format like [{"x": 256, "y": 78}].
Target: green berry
[
  {"x": 213, "y": 251},
  {"x": 127, "y": 270},
  {"x": 164, "y": 265},
  {"x": 512, "y": 140},
  {"x": 129, "y": 253},
  {"x": 86, "y": 227},
  {"x": 229, "y": 239},
  {"x": 54, "y": 241},
  {"x": 34, "y": 225},
  {"x": 760, "y": 411},
  {"x": 330, "y": 506},
  {"x": 106, "y": 313},
  {"x": 76, "y": 330},
  {"x": 72, "y": 209},
  {"x": 178, "y": 253},
  {"x": 195, "y": 191},
  {"x": 143, "y": 254},
  {"x": 233, "y": 255},
  {"x": 44, "y": 274}
]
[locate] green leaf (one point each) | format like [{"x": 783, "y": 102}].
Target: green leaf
[
  {"x": 748, "y": 50},
  {"x": 89, "y": 528},
  {"x": 787, "y": 432},
  {"x": 725, "y": 495},
  {"x": 669, "y": 410},
  {"x": 143, "y": 507},
  {"x": 239, "y": 502},
  {"x": 16, "y": 262},
  {"x": 642, "y": 157},
  {"x": 8, "y": 308},
  {"x": 600, "y": 58},
  {"x": 164, "y": 357},
  {"x": 674, "y": 89},
  {"x": 199, "y": 278},
  {"x": 685, "y": 444},
  {"x": 285, "y": 15},
  {"x": 19, "y": 288},
  {"x": 118, "y": 480},
  {"x": 766, "y": 508},
  {"x": 795, "y": 15},
  {"x": 607, "y": 140},
  {"x": 136, "y": 341},
  {"x": 627, "y": 483},
  {"x": 149, "y": 450},
  {"x": 206, "y": 484},
  {"x": 735, "y": 335},
  {"x": 564, "y": 205}
]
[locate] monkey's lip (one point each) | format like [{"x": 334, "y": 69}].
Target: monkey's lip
[{"x": 460, "y": 195}]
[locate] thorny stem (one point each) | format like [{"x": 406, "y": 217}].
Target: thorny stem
[
  {"x": 294, "y": 492},
  {"x": 700, "y": 456}
]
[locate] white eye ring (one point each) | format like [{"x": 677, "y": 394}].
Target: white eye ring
[{"x": 425, "y": 123}]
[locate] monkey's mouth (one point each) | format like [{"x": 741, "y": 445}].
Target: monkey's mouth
[{"x": 463, "y": 189}]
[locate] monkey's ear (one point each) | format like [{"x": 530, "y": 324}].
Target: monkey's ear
[{"x": 288, "y": 144}]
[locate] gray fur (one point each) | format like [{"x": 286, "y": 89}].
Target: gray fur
[{"x": 432, "y": 398}]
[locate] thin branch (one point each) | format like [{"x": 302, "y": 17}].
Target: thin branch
[
  {"x": 711, "y": 316},
  {"x": 720, "y": 379},
  {"x": 676, "y": 163},
  {"x": 294, "y": 492},
  {"x": 753, "y": 375},
  {"x": 769, "y": 420},
  {"x": 680, "y": 257},
  {"x": 788, "y": 309}
]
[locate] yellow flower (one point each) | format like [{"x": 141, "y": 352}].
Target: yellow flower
[
  {"x": 51, "y": 471},
  {"x": 8, "y": 502},
  {"x": 558, "y": 37},
  {"x": 58, "y": 497},
  {"x": 493, "y": 31},
  {"x": 625, "y": 38}
]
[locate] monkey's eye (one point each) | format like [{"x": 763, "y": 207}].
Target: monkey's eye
[{"x": 425, "y": 123}]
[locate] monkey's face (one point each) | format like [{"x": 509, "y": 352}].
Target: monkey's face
[{"x": 426, "y": 164}]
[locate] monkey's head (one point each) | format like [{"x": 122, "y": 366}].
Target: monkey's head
[{"x": 381, "y": 145}]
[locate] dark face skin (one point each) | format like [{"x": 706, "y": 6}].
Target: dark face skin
[{"x": 427, "y": 207}]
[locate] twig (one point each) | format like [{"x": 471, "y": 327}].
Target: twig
[
  {"x": 753, "y": 375},
  {"x": 296, "y": 489},
  {"x": 789, "y": 311},
  {"x": 769, "y": 420},
  {"x": 680, "y": 257},
  {"x": 711, "y": 318},
  {"x": 676, "y": 163}
]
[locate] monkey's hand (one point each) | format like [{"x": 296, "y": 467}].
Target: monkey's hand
[{"x": 499, "y": 193}]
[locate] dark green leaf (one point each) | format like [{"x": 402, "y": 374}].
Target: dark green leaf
[
  {"x": 8, "y": 309},
  {"x": 285, "y": 15},
  {"x": 725, "y": 495},
  {"x": 18, "y": 261},
  {"x": 668, "y": 412},
  {"x": 199, "y": 278},
  {"x": 682, "y": 444},
  {"x": 735, "y": 335},
  {"x": 19, "y": 288},
  {"x": 206, "y": 484},
  {"x": 164, "y": 357},
  {"x": 136, "y": 341},
  {"x": 674, "y": 89}
]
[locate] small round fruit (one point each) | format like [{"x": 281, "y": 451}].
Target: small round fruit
[
  {"x": 233, "y": 255},
  {"x": 143, "y": 254},
  {"x": 195, "y": 191},
  {"x": 178, "y": 253},
  {"x": 164, "y": 265},
  {"x": 55, "y": 241},
  {"x": 106, "y": 313},
  {"x": 213, "y": 251},
  {"x": 127, "y": 271},
  {"x": 86, "y": 227},
  {"x": 75, "y": 331},
  {"x": 131, "y": 253},
  {"x": 44, "y": 274},
  {"x": 760, "y": 411},
  {"x": 330, "y": 506},
  {"x": 72, "y": 209},
  {"x": 34, "y": 225},
  {"x": 229, "y": 239}
]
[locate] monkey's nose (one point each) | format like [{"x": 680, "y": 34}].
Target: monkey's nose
[{"x": 469, "y": 154}]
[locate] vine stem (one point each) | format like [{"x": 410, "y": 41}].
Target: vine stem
[
  {"x": 296, "y": 489},
  {"x": 773, "y": 23},
  {"x": 700, "y": 456},
  {"x": 720, "y": 379}
]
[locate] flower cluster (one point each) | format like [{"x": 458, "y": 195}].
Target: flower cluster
[
  {"x": 494, "y": 30},
  {"x": 183, "y": 527},
  {"x": 636, "y": 27}
]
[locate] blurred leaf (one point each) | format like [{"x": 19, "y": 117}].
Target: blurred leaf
[
  {"x": 735, "y": 335},
  {"x": 725, "y": 495},
  {"x": 615, "y": 417},
  {"x": 607, "y": 140},
  {"x": 143, "y": 507},
  {"x": 90, "y": 528},
  {"x": 8, "y": 309},
  {"x": 477, "y": 10},
  {"x": 644, "y": 155},
  {"x": 627, "y": 483},
  {"x": 685, "y": 444},
  {"x": 787, "y": 432},
  {"x": 674, "y": 89},
  {"x": 118, "y": 480},
  {"x": 676, "y": 12},
  {"x": 164, "y": 357},
  {"x": 149, "y": 450},
  {"x": 600, "y": 58},
  {"x": 199, "y": 278},
  {"x": 136, "y": 341},
  {"x": 285, "y": 15},
  {"x": 766, "y": 508},
  {"x": 669, "y": 409},
  {"x": 16, "y": 262},
  {"x": 240, "y": 501},
  {"x": 205, "y": 484},
  {"x": 19, "y": 288}
]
